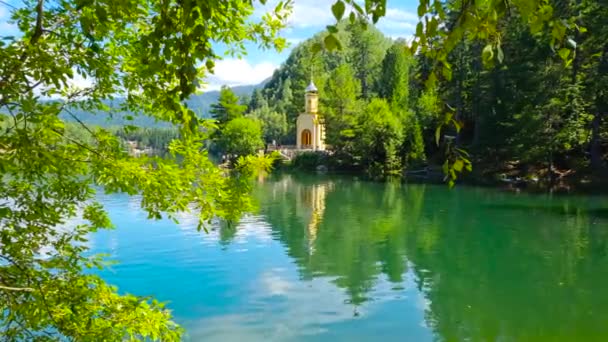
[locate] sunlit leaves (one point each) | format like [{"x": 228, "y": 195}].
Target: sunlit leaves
[
  {"x": 338, "y": 10},
  {"x": 564, "y": 53},
  {"x": 331, "y": 42},
  {"x": 500, "y": 56},
  {"x": 436, "y": 36},
  {"x": 422, "y": 8},
  {"x": 145, "y": 57},
  {"x": 487, "y": 54}
]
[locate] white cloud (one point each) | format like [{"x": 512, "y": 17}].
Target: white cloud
[
  {"x": 399, "y": 14},
  {"x": 80, "y": 82},
  {"x": 294, "y": 41},
  {"x": 74, "y": 84},
  {"x": 275, "y": 284},
  {"x": 317, "y": 14},
  {"x": 311, "y": 13},
  {"x": 234, "y": 72},
  {"x": 397, "y": 19},
  {"x": 316, "y": 303},
  {"x": 3, "y": 12},
  {"x": 305, "y": 13}
]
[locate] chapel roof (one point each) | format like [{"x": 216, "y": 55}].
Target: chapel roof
[{"x": 311, "y": 87}]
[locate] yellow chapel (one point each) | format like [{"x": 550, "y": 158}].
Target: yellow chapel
[{"x": 309, "y": 128}]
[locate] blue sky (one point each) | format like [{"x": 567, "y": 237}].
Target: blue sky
[{"x": 308, "y": 18}]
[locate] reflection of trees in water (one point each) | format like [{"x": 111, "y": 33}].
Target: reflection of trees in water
[
  {"x": 499, "y": 274},
  {"x": 488, "y": 270},
  {"x": 350, "y": 231}
]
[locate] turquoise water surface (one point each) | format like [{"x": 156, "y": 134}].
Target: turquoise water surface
[{"x": 338, "y": 259}]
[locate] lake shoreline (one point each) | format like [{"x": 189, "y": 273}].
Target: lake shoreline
[{"x": 585, "y": 184}]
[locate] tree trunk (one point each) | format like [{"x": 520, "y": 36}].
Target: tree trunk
[
  {"x": 477, "y": 117},
  {"x": 601, "y": 106},
  {"x": 595, "y": 145},
  {"x": 459, "y": 91}
]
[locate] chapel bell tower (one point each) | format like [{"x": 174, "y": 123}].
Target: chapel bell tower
[{"x": 310, "y": 130}]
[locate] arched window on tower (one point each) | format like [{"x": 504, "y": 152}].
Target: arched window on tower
[{"x": 306, "y": 138}]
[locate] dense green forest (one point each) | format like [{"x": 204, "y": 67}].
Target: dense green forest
[
  {"x": 520, "y": 108},
  {"x": 525, "y": 81}
]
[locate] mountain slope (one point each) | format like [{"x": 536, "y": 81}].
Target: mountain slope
[{"x": 199, "y": 103}]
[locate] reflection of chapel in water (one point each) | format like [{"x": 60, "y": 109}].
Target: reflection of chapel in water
[{"x": 310, "y": 207}]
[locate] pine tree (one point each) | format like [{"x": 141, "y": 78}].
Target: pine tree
[
  {"x": 227, "y": 107},
  {"x": 341, "y": 106},
  {"x": 257, "y": 100},
  {"x": 395, "y": 75}
]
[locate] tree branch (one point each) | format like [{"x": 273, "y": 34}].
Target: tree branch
[
  {"x": 79, "y": 121},
  {"x": 38, "y": 29},
  {"x": 10, "y": 288},
  {"x": 78, "y": 143}
]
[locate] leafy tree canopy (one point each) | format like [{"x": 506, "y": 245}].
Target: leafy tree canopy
[
  {"x": 242, "y": 136},
  {"x": 152, "y": 54}
]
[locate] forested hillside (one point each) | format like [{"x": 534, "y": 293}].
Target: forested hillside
[
  {"x": 523, "y": 108},
  {"x": 199, "y": 103}
]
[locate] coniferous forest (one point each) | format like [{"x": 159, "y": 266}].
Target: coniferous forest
[{"x": 522, "y": 110}]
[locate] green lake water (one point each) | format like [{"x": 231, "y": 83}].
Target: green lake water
[{"x": 339, "y": 259}]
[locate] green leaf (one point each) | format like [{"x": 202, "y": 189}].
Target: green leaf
[
  {"x": 439, "y": 9},
  {"x": 564, "y": 53},
  {"x": 332, "y": 43},
  {"x": 332, "y": 29},
  {"x": 458, "y": 164},
  {"x": 499, "y": 54},
  {"x": 352, "y": 17},
  {"x": 487, "y": 54},
  {"x": 460, "y": 150},
  {"x": 414, "y": 47},
  {"x": 102, "y": 14},
  {"x": 432, "y": 27},
  {"x": 375, "y": 17},
  {"x": 421, "y": 9},
  {"x": 210, "y": 64},
  {"x": 431, "y": 81},
  {"x": 437, "y": 134},
  {"x": 447, "y": 72},
  {"x": 419, "y": 29},
  {"x": 457, "y": 125},
  {"x": 559, "y": 31},
  {"x": 338, "y": 9}
]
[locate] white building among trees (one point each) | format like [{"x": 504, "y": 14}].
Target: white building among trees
[{"x": 310, "y": 130}]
